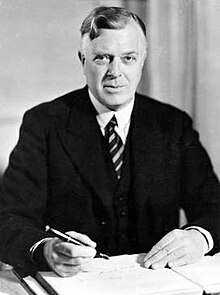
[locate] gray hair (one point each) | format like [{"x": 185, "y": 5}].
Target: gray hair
[{"x": 104, "y": 17}]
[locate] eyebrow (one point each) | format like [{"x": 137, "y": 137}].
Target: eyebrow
[
  {"x": 106, "y": 53},
  {"x": 130, "y": 52}
]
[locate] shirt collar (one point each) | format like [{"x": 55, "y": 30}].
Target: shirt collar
[{"x": 104, "y": 115}]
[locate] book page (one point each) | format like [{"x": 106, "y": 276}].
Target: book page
[
  {"x": 121, "y": 275},
  {"x": 205, "y": 273}
]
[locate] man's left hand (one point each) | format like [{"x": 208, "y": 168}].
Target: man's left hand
[{"x": 178, "y": 247}]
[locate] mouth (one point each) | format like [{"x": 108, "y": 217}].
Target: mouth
[{"x": 113, "y": 88}]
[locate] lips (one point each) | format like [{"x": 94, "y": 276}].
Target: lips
[{"x": 113, "y": 86}]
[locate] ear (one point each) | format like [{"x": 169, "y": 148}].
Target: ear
[{"x": 81, "y": 57}]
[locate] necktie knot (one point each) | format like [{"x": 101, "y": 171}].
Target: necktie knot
[{"x": 111, "y": 124}]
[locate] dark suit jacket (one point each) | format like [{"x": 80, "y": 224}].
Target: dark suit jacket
[{"x": 57, "y": 176}]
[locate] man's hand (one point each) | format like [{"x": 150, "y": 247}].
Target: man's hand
[
  {"x": 178, "y": 247},
  {"x": 66, "y": 259}
]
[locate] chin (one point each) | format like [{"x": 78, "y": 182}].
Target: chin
[
  {"x": 116, "y": 105},
  {"x": 114, "y": 101}
]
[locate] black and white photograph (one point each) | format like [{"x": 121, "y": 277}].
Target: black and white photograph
[{"x": 110, "y": 147}]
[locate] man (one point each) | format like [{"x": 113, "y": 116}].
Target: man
[{"x": 108, "y": 166}]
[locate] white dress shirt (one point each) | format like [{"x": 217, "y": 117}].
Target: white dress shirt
[{"x": 104, "y": 115}]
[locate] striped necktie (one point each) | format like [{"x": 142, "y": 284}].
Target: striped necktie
[{"x": 116, "y": 145}]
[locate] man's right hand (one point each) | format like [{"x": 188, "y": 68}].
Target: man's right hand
[{"x": 66, "y": 259}]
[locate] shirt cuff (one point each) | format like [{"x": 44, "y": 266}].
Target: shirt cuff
[
  {"x": 206, "y": 234},
  {"x": 35, "y": 246}
]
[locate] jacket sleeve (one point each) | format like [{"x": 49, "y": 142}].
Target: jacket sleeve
[
  {"x": 23, "y": 195},
  {"x": 199, "y": 184}
]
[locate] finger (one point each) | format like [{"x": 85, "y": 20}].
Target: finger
[
  {"x": 71, "y": 250},
  {"x": 166, "y": 245},
  {"x": 180, "y": 261},
  {"x": 82, "y": 238},
  {"x": 60, "y": 258},
  {"x": 165, "y": 253},
  {"x": 174, "y": 255},
  {"x": 64, "y": 270},
  {"x": 170, "y": 237},
  {"x": 60, "y": 263},
  {"x": 49, "y": 253}
]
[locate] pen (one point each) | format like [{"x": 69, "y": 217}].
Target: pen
[{"x": 67, "y": 238}]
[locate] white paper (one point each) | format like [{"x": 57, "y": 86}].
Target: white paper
[
  {"x": 205, "y": 273},
  {"x": 121, "y": 275}
]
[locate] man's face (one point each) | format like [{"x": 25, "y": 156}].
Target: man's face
[{"x": 112, "y": 64}]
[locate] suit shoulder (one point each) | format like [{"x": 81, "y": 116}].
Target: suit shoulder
[
  {"x": 161, "y": 109},
  {"x": 56, "y": 108}
]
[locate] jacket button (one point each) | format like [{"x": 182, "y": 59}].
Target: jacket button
[{"x": 123, "y": 213}]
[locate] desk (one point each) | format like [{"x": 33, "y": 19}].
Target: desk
[{"x": 9, "y": 284}]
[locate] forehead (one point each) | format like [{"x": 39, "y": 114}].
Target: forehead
[{"x": 128, "y": 39}]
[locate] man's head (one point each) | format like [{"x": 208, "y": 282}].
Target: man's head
[{"x": 113, "y": 51}]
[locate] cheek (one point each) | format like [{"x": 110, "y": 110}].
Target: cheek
[
  {"x": 135, "y": 75},
  {"x": 94, "y": 75}
]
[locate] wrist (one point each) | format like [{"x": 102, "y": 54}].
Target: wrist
[
  {"x": 203, "y": 241},
  {"x": 37, "y": 254},
  {"x": 206, "y": 234}
]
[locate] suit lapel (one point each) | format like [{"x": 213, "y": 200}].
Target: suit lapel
[{"x": 81, "y": 138}]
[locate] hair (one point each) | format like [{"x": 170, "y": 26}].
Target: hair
[{"x": 104, "y": 17}]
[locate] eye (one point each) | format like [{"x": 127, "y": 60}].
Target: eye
[
  {"x": 128, "y": 59},
  {"x": 102, "y": 59}
]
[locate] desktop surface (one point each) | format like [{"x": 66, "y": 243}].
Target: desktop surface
[{"x": 9, "y": 284}]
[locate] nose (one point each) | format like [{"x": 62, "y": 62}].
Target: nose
[{"x": 114, "y": 69}]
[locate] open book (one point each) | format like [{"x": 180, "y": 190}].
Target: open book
[
  {"x": 125, "y": 275},
  {"x": 205, "y": 273}
]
